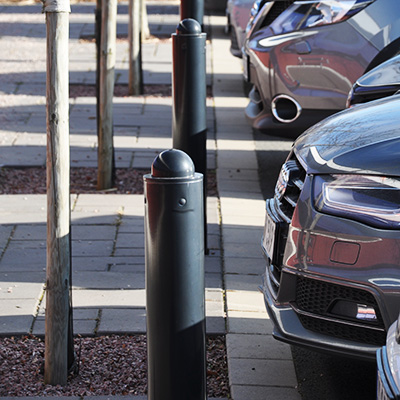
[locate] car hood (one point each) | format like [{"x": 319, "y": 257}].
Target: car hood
[
  {"x": 387, "y": 73},
  {"x": 364, "y": 139}
]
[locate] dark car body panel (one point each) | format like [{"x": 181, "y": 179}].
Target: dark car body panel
[
  {"x": 316, "y": 66},
  {"x": 366, "y": 138},
  {"x": 381, "y": 81},
  {"x": 325, "y": 259}
]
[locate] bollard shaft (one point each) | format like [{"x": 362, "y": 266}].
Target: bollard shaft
[
  {"x": 192, "y": 9},
  {"x": 175, "y": 289}
]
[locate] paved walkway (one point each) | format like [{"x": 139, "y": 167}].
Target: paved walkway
[{"x": 107, "y": 229}]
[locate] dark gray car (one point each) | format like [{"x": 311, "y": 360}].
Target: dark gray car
[
  {"x": 304, "y": 56},
  {"x": 381, "y": 81},
  {"x": 332, "y": 233}
]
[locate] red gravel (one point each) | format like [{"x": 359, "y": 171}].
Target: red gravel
[
  {"x": 109, "y": 365},
  {"x": 83, "y": 180}
]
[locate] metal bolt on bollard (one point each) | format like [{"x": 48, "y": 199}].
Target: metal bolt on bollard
[
  {"x": 175, "y": 289},
  {"x": 189, "y": 111}
]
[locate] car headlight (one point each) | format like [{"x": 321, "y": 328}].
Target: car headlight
[
  {"x": 373, "y": 200},
  {"x": 311, "y": 13}
]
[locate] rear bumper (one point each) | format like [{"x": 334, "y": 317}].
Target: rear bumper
[{"x": 259, "y": 114}]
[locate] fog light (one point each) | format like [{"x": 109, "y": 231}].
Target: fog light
[
  {"x": 365, "y": 312},
  {"x": 357, "y": 311}
]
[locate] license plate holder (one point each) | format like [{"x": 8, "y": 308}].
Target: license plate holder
[{"x": 269, "y": 238}]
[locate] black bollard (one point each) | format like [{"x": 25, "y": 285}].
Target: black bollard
[
  {"x": 189, "y": 111},
  {"x": 192, "y": 9},
  {"x": 175, "y": 290}
]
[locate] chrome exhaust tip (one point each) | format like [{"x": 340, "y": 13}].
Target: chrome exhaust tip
[{"x": 285, "y": 109}]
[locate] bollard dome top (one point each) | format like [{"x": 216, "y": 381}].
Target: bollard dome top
[
  {"x": 172, "y": 163},
  {"x": 188, "y": 26}
]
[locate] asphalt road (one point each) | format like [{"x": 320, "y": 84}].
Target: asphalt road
[{"x": 320, "y": 376}]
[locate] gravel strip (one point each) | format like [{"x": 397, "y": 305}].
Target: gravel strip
[
  {"x": 83, "y": 180},
  {"x": 109, "y": 365}
]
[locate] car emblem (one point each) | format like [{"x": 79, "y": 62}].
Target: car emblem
[{"x": 282, "y": 183}]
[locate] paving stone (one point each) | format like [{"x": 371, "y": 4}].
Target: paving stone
[
  {"x": 251, "y": 250},
  {"x": 14, "y": 289},
  {"x": 242, "y": 235},
  {"x": 87, "y": 232},
  {"x": 95, "y": 248},
  {"x": 213, "y": 281},
  {"x": 249, "y": 322},
  {"x": 132, "y": 264},
  {"x": 80, "y": 327},
  {"x": 28, "y": 260},
  {"x": 246, "y": 371},
  {"x": 15, "y": 324},
  {"x": 124, "y": 320},
  {"x": 212, "y": 264},
  {"x": 30, "y": 232},
  {"x": 246, "y": 266},
  {"x": 33, "y": 206},
  {"x": 257, "y": 347},
  {"x": 130, "y": 240},
  {"x": 246, "y": 392},
  {"x": 109, "y": 298},
  {"x": 5, "y": 232},
  {"x": 108, "y": 280},
  {"x": 238, "y": 300},
  {"x": 244, "y": 283},
  {"x": 129, "y": 252}
]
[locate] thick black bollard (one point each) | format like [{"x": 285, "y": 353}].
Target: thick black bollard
[
  {"x": 192, "y": 9},
  {"x": 189, "y": 112},
  {"x": 175, "y": 291}
]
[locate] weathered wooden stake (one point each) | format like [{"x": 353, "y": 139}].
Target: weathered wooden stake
[
  {"x": 58, "y": 200},
  {"x": 97, "y": 35},
  {"x": 135, "y": 81},
  {"x": 145, "y": 21},
  {"x": 107, "y": 77}
]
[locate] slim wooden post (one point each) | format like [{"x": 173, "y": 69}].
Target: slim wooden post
[
  {"x": 97, "y": 35},
  {"x": 145, "y": 21},
  {"x": 106, "y": 92},
  {"x": 58, "y": 200},
  {"x": 135, "y": 81}
]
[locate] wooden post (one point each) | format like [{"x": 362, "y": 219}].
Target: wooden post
[
  {"x": 97, "y": 35},
  {"x": 58, "y": 197},
  {"x": 145, "y": 21},
  {"x": 135, "y": 81},
  {"x": 107, "y": 76}
]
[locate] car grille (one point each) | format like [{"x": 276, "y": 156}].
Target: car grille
[
  {"x": 316, "y": 297},
  {"x": 287, "y": 192},
  {"x": 343, "y": 331}
]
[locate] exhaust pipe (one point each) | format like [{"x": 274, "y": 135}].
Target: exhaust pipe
[{"x": 285, "y": 109}]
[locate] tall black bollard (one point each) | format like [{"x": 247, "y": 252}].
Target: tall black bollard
[
  {"x": 189, "y": 112},
  {"x": 192, "y": 9},
  {"x": 175, "y": 279}
]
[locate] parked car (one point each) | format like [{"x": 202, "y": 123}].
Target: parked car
[
  {"x": 332, "y": 233},
  {"x": 304, "y": 56},
  {"x": 237, "y": 18},
  {"x": 388, "y": 360},
  {"x": 381, "y": 81}
]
